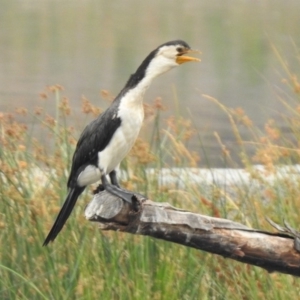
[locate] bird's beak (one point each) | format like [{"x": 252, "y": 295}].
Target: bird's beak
[{"x": 183, "y": 59}]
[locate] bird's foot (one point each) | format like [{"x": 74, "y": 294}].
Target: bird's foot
[
  {"x": 99, "y": 188},
  {"x": 119, "y": 192}
]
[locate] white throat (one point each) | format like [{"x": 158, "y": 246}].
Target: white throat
[{"x": 158, "y": 66}]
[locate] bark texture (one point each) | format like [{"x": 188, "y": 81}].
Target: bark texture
[{"x": 271, "y": 251}]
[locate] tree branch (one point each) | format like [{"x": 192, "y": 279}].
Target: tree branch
[{"x": 271, "y": 251}]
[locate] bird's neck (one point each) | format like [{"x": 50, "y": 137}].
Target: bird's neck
[
  {"x": 140, "y": 81},
  {"x": 134, "y": 96}
]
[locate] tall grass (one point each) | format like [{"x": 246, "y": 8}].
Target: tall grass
[{"x": 84, "y": 263}]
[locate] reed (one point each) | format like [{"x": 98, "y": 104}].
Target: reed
[{"x": 84, "y": 263}]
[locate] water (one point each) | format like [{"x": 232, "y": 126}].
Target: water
[{"x": 87, "y": 46}]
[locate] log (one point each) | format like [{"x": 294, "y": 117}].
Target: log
[{"x": 271, "y": 251}]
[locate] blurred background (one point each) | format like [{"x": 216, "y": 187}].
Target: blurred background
[{"x": 88, "y": 46}]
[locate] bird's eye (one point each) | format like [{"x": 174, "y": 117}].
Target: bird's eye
[{"x": 181, "y": 51}]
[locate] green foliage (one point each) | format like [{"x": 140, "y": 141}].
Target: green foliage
[{"x": 84, "y": 263}]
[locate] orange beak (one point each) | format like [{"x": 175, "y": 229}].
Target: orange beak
[{"x": 183, "y": 59}]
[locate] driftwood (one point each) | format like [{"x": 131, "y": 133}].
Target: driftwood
[{"x": 271, "y": 251}]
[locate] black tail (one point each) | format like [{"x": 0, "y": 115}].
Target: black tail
[{"x": 64, "y": 214}]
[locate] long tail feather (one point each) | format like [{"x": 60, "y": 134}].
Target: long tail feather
[{"x": 64, "y": 214}]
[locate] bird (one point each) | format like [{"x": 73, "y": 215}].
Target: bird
[{"x": 105, "y": 141}]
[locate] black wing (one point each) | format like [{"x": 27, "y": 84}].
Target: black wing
[{"x": 94, "y": 138}]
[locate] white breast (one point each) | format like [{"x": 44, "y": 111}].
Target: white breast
[{"x": 132, "y": 115}]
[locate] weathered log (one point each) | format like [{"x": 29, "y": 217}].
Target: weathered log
[{"x": 271, "y": 251}]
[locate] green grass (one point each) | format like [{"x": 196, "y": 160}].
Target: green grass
[{"x": 85, "y": 263}]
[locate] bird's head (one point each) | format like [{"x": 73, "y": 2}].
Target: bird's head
[
  {"x": 161, "y": 60},
  {"x": 168, "y": 56},
  {"x": 175, "y": 52}
]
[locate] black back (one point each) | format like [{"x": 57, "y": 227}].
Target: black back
[{"x": 94, "y": 138}]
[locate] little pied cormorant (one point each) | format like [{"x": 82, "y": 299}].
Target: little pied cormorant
[{"x": 106, "y": 141}]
